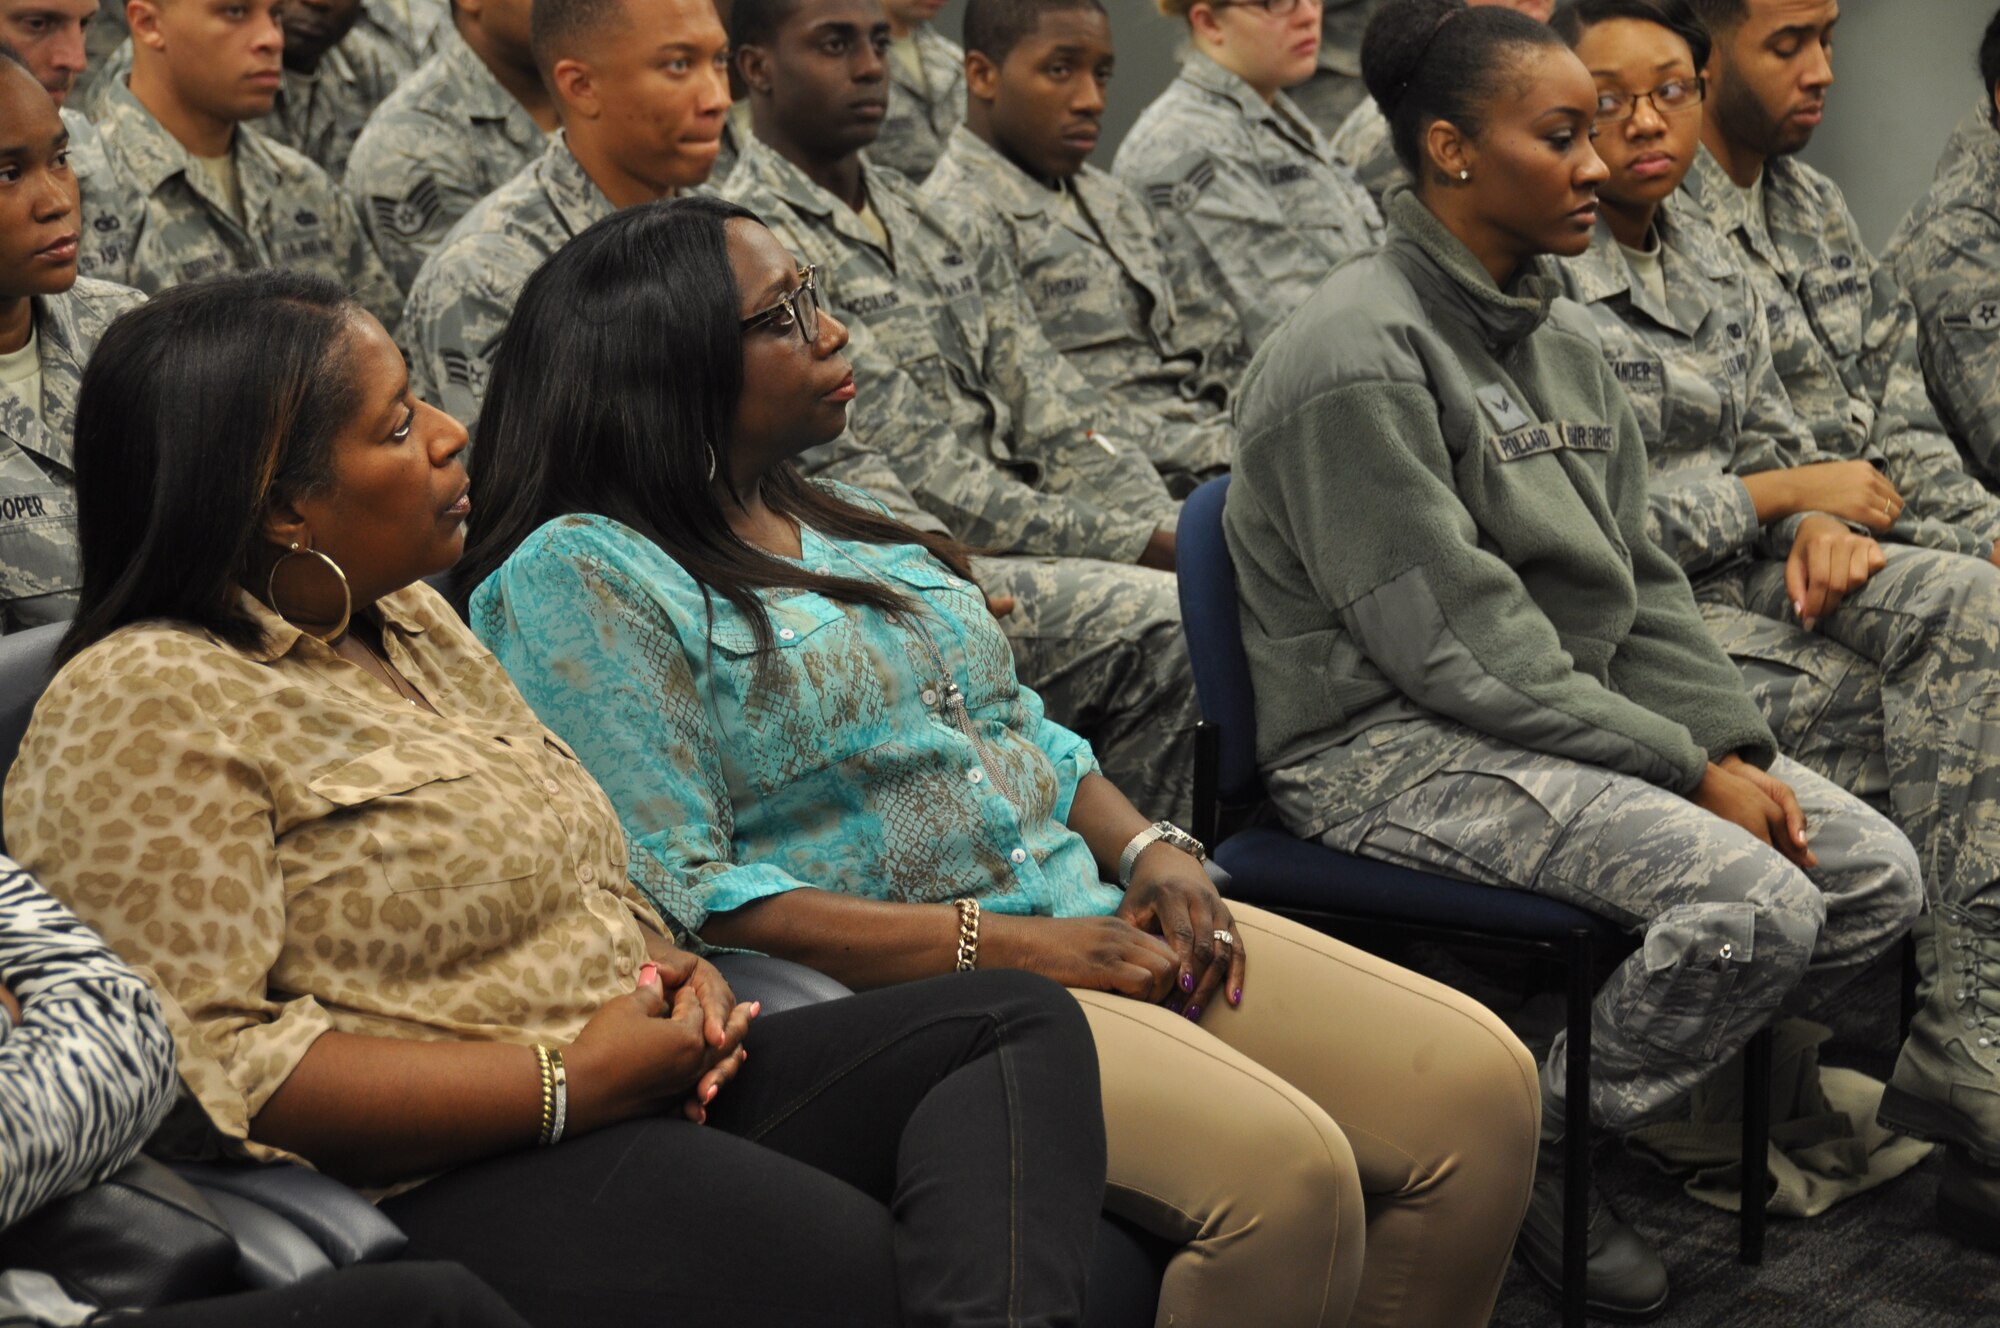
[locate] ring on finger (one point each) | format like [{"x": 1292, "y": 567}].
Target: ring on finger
[{"x": 1223, "y": 936}]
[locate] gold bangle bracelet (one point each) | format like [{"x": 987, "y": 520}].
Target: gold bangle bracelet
[
  {"x": 548, "y": 1077},
  {"x": 968, "y": 934}
]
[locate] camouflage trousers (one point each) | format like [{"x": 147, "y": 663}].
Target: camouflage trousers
[
  {"x": 1101, "y": 643},
  {"x": 1731, "y": 933},
  {"x": 1895, "y": 697}
]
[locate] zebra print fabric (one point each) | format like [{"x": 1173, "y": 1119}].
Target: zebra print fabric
[{"x": 89, "y": 1071}]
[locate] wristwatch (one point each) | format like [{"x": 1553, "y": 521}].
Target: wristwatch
[{"x": 1165, "y": 832}]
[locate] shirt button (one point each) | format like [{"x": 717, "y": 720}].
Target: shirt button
[
  {"x": 551, "y": 786},
  {"x": 975, "y": 776},
  {"x": 786, "y": 633},
  {"x": 586, "y": 873},
  {"x": 822, "y": 571},
  {"x": 891, "y": 619},
  {"x": 929, "y": 696},
  {"x": 1019, "y": 856},
  {"x": 953, "y": 582}
]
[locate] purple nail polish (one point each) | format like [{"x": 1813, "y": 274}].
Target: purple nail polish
[
  {"x": 1187, "y": 982},
  {"x": 1236, "y": 996},
  {"x": 1193, "y": 1012}
]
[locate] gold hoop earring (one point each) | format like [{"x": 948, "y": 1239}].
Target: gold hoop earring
[{"x": 346, "y": 594}]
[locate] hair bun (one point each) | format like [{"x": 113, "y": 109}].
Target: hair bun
[{"x": 1395, "y": 43}]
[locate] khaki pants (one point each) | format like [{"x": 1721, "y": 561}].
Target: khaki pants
[{"x": 1353, "y": 1144}]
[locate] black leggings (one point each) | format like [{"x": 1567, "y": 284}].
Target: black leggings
[
  {"x": 929, "y": 1154},
  {"x": 386, "y": 1295}
]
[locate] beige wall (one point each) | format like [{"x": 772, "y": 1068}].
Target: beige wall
[{"x": 1906, "y": 73}]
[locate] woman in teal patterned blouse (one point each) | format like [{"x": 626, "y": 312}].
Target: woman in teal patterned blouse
[{"x": 812, "y": 730}]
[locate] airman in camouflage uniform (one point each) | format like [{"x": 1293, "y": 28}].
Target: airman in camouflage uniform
[
  {"x": 1895, "y": 696},
  {"x": 293, "y": 216},
  {"x": 321, "y": 113},
  {"x": 1335, "y": 88},
  {"x": 446, "y": 138},
  {"x": 465, "y": 292},
  {"x": 1249, "y": 194},
  {"x": 926, "y": 102},
  {"x": 109, "y": 197},
  {"x": 1094, "y": 269},
  {"x": 1947, "y": 255},
  {"x": 1541, "y": 727},
  {"x": 40, "y": 568},
  {"x": 1363, "y": 141},
  {"x": 1000, "y": 439},
  {"x": 1844, "y": 339}
]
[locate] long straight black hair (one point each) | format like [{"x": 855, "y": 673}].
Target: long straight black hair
[
  {"x": 619, "y": 370},
  {"x": 197, "y": 410}
]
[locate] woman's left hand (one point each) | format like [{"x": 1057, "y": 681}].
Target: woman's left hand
[
  {"x": 1172, "y": 897},
  {"x": 679, "y": 968}
]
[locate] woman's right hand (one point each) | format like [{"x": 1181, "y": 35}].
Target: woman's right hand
[
  {"x": 640, "y": 1056},
  {"x": 1095, "y": 954},
  {"x": 1828, "y": 563},
  {"x": 1747, "y": 803},
  {"x": 1851, "y": 490}
]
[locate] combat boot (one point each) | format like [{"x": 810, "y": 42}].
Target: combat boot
[
  {"x": 1947, "y": 1082},
  {"x": 1624, "y": 1278}
]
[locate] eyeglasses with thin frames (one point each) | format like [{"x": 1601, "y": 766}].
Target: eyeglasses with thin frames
[
  {"x": 799, "y": 309},
  {"x": 1275, "y": 8},
  {"x": 1670, "y": 98}
]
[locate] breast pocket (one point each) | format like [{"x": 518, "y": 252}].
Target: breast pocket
[
  {"x": 1832, "y": 294},
  {"x": 977, "y": 651},
  {"x": 38, "y": 551},
  {"x": 1643, "y": 375},
  {"x": 813, "y": 698},
  {"x": 429, "y": 818}
]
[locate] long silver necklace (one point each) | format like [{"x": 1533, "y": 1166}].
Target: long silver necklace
[{"x": 951, "y": 698}]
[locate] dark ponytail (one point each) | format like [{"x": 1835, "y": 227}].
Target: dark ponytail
[{"x": 1431, "y": 60}]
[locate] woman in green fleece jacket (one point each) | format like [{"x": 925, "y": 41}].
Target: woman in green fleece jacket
[{"x": 1468, "y": 655}]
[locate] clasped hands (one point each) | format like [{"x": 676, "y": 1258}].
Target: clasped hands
[{"x": 676, "y": 1040}]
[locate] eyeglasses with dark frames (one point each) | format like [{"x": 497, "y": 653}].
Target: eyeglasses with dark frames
[
  {"x": 1670, "y": 98},
  {"x": 799, "y": 309}
]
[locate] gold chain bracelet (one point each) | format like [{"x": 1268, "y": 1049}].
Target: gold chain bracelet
[{"x": 968, "y": 934}]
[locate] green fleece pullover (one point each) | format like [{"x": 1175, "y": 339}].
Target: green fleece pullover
[{"x": 1440, "y": 509}]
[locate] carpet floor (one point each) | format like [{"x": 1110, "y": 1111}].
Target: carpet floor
[{"x": 1876, "y": 1261}]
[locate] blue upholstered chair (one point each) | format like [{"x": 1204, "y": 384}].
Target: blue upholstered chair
[{"x": 1359, "y": 898}]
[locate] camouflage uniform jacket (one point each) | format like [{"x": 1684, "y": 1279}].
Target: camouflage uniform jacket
[
  {"x": 1335, "y": 88},
  {"x": 463, "y": 296},
  {"x": 1699, "y": 373},
  {"x": 322, "y": 113},
  {"x": 1251, "y": 194},
  {"x": 1844, "y": 338},
  {"x": 294, "y": 216},
  {"x": 449, "y": 136},
  {"x": 1363, "y": 139},
  {"x": 1439, "y": 511},
  {"x": 1098, "y": 278},
  {"x": 923, "y": 113},
  {"x": 110, "y": 199},
  {"x": 39, "y": 567},
  {"x": 991, "y": 430},
  {"x": 1947, "y": 255}
]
